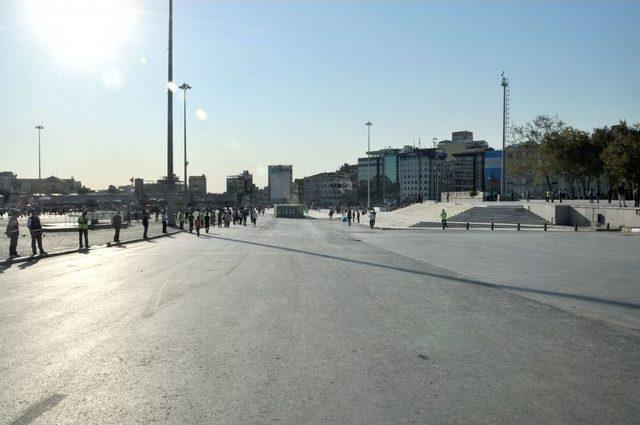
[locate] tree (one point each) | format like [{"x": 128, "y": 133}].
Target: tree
[
  {"x": 112, "y": 189},
  {"x": 525, "y": 157},
  {"x": 621, "y": 156},
  {"x": 83, "y": 190}
]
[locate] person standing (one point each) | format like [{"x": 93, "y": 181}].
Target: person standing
[
  {"x": 116, "y": 222},
  {"x": 145, "y": 223},
  {"x": 636, "y": 196},
  {"x": 190, "y": 218},
  {"x": 254, "y": 217},
  {"x": 621, "y": 195},
  {"x": 83, "y": 229},
  {"x": 349, "y": 216},
  {"x": 181, "y": 219},
  {"x": 358, "y": 215},
  {"x": 372, "y": 218},
  {"x": 13, "y": 232},
  {"x": 443, "y": 217},
  {"x": 207, "y": 220},
  {"x": 198, "y": 222},
  {"x": 35, "y": 228},
  {"x": 220, "y": 214},
  {"x": 164, "y": 221}
]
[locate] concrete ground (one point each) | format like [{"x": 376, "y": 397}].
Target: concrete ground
[{"x": 308, "y": 321}]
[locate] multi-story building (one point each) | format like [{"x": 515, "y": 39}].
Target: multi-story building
[
  {"x": 242, "y": 187},
  {"x": 50, "y": 185},
  {"x": 328, "y": 189},
  {"x": 198, "y": 185},
  {"x": 280, "y": 180},
  {"x": 420, "y": 174},
  {"x": 464, "y": 164},
  {"x": 6, "y": 181}
]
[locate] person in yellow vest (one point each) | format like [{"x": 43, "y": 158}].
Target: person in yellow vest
[
  {"x": 83, "y": 229},
  {"x": 443, "y": 217}
]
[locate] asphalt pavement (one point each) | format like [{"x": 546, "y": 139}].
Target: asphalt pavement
[{"x": 302, "y": 322}]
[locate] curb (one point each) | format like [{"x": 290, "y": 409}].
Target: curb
[{"x": 77, "y": 250}]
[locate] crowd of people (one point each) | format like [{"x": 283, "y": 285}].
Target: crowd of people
[{"x": 194, "y": 218}]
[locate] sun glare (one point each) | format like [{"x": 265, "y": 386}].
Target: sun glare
[{"x": 82, "y": 33}]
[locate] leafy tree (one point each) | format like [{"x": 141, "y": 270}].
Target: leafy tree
[
  {"x": 83, "y": 190},
  {"x": 621, "y": 155},
  {"x": 525, "y": 157}
]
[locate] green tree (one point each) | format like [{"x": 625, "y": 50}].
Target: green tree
[
  {"x": 525, "y": 158},
  {"x": 621, "y": 156}
]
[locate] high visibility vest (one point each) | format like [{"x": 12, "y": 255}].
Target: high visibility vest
[
  {"x": 83, "y": 223},
  {"x": 443, "y": 215}
]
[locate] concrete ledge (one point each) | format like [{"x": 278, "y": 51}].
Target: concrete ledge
[{"x": 78, "y": 250}]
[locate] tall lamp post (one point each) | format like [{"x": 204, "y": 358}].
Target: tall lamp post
[
  {"x": 368, "y": 124},
  {"x": 39, "y": 128},
  {"x": 184, "y": 87},
  {"x": 505, "y": 117},
  {"x": 171, "y": 213}
]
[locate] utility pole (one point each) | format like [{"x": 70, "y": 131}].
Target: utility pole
[
  {"x": 184, "y": 87},
  {"x": 171, "y": 213},
  {"x": 505, "y": 119},
  {"x": 368, "y": 124},
  {"x": 39, "y": 128}
]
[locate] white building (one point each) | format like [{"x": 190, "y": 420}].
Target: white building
[
  {"x": 420, "y": 172},
  {"x": 280, "y": 180}
]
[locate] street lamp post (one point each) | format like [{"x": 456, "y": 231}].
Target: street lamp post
[
  {"x": 368, "y": 124},
  {"x": 171, "y": 214},
  {"x": 39, "y": 128},
  {"x": 184, "y": 87}
]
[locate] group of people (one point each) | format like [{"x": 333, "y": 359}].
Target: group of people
[
  {"x": 210, "y": 217},
  {"x": 350, "y": 215}
]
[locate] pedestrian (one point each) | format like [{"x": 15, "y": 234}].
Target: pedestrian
[
  {"x": 83, "y": 229},
  {"x": 372, "y": 218},
  {"x": 145, "y": 223},
  {"x": 245, "y": 213},
  {"x": 610, "y": 194},
  {"x": 591, "y": 197},
  {"x": 157, "y": 213},
  {"x": 181, "y": 219},
  {"x": 35, "y": 228},
  {"x": 207, "y": 220},
  {"x": 621, "y": 195},
  {"x": 331, "y": 214},
  {"x": 164, "y": 221},
  {"x": 190, "y": 218},
  {"x": 116, "y": 222},
  {"x": 636, "y": 196},
  {"x": 13, "y": 232},
  {"x": 349, "y": 216},
  {"x": 198, "y": 222},
  {"x": 254, "y": 217},
  {"x": 220, "y": 214},
  {"x": 443, "y": 217},
  {"x": 358, "y": 215}
]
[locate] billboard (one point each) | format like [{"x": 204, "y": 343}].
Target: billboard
[{"x": 492, "y": 171}]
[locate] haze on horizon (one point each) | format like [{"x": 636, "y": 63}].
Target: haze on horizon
[{"x": 281, "y": 82}]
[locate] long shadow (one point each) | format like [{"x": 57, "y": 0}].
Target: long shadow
[
  {"x": 7, "y": 265},
  {"x": 443, "y": 276},
  {"x": 31, "y": 262}
]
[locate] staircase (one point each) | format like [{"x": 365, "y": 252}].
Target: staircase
[
  {"x": 498, "y": 214},
  {"x": 414, "y": 214}
]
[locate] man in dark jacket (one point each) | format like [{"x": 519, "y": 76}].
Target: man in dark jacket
[
  {"x": 35, "y": 228},
  {"x": 145, "y": 223},
  {"x": 116, "y": 222},
  {"x": 13, "y": 233}
]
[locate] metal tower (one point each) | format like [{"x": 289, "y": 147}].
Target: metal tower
[{"x": 505, "y": 126}]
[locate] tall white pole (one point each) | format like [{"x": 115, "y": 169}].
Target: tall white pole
[
  {"x": 505, "y": 84},
  {"x": 170, "y": 186},
  {"x": 184, "y": 88},
  {"x": 368, "y": 124},
  {"x": 39, "y": 128}
]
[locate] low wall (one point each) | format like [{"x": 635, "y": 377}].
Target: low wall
[{"x": 569, "y": 215}]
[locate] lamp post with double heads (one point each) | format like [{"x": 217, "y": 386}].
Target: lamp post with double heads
[
  {"x": 368, "y": 124},
  {"x": 184, "y": 87},
  {"x": 39, "y": 128}
]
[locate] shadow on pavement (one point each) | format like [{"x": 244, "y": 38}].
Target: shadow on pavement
[
  {"x": 443, "y": 276},
  {"x": 29, "y": 263}
]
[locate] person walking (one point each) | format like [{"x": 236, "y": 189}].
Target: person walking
[
  {"x": 13, "y": 232},
  {"x": 220, "y": 214},
  {"x": 443, "y": 217},
  {"x": 358, "y": 215},
  {"x": 372, "y": 218},
  {"x": 190, "y": 219},
  {"x": 116, "y": 222},
  {"x": 83, "y": 229},
  {"x": 163, "y": 216},
  {"x": 349, "y": 216},
  {"x": 621, "y": 195},
  {"x": 636, "y": 196},
  {"x": 254, "y": 217},
  {"x": 207, "y": 220},
  {"x": 35, "y": 229},
  {"x": 198, "y": 222},
  {"x": 145, "y": 223}
]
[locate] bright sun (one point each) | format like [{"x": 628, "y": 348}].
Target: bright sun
[{"x": 82, "y": 33}]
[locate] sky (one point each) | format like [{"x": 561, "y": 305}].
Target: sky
[{"x": 293, "y": 82}]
